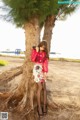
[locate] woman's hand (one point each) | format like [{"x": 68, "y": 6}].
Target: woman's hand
[{"x": 37, "y": 49}]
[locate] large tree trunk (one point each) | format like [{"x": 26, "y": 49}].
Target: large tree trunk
[
  {"x": 23, "y": 96},
  {"x": 32, "y": 34},
  {"x": 48, "y": 27}
]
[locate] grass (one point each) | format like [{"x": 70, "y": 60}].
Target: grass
[
  {"x": 51, "y": 59},
  {"x": 65, "y": 59},
  {"x": 12, "y": 56},
  {"x": 3, "y": 63}
]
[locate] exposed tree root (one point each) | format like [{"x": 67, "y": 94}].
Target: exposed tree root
[
  {"x": 5, "y": 95},
  {"x": 19, "y": 96},
  {"x": 10, "y": 74}
]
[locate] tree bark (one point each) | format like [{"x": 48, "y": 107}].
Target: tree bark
[
  {"x": 8, "y": 75},
  {"x": 32, "y": 34},
  {"x": 48, "y": 27},
  {"x": 23, "y": 96}
]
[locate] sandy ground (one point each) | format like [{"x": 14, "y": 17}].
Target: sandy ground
[
  {"x": 13, "y": 62},
  {"x": 63, "y": 85}
]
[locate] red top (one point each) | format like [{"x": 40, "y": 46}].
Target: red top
[{"x": 40, "y": 57}]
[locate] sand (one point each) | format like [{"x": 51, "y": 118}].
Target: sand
[{"x": 63, "y": 87}]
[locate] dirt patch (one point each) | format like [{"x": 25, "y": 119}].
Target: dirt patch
[
  {"x": 13, "y": 62},
  {"x": 63, "y": 87}
]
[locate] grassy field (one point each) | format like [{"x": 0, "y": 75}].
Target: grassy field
[
  {"x": 51, "y": 59},
  {"x": 65, "y": 59}
]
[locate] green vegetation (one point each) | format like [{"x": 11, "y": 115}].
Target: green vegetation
[
  {"x": 3, "y": 63},
  {"x": 21, "y": 11},
  {"x": 65, "y": 59},
  {"x": 14, "y": 56},
  {"x": 51, "y": 59}
]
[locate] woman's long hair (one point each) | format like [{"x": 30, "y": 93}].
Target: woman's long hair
[{"x": 44, "y": 43}]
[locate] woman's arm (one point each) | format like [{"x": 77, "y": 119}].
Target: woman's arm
[
  {"x": 45, "y": 75},
  {"x": 45, "y": 66},
  {"x": 34, "y": 54}
]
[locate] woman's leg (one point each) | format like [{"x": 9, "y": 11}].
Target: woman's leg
[
  {"x": 45, "y": 98},
  {"x": 39, "y": 97}
]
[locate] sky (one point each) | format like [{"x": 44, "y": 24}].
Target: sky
[
  {"x": 65, "y": 38},
  {"x": 11, "y": 37}
]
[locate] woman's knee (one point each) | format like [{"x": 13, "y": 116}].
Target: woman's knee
[
  {"x": 44, "y": 86},
  {"x": 39, "y": 86}
]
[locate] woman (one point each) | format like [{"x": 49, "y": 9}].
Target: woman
[{"x": 40, "y": 57}]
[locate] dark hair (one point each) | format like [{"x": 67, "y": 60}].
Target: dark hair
[{"x": 44, "y": 43}]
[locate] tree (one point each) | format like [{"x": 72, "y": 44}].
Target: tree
[
  {"x": 59, "y": 12},
  {"x": 30, "y": 15}
]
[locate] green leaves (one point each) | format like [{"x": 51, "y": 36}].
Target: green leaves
[{"x": 20, "y": 11}]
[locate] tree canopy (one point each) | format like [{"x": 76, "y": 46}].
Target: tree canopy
[
  {"x": 20, "y": 11},
  {"x": 23, "y": 10}
]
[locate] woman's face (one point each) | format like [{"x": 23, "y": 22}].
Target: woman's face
[{"x": 42, "y": 48}]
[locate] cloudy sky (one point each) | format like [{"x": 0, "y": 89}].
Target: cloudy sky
[{"x": 65, "y": 39}]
